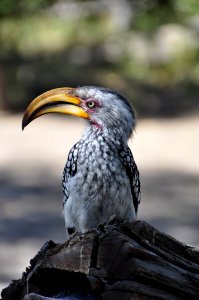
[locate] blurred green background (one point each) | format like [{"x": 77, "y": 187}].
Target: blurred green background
[{"x": 146, "y": 49}]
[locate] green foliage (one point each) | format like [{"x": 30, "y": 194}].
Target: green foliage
[
  {"x": 187, "y": 7},
  {"x": 105, "y": 43},
  {"x": 19, "y": 8},
  {"x": 162, "y": 12}
]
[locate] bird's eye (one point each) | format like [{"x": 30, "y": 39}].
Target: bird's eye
[{"x": 91, "y": 104}]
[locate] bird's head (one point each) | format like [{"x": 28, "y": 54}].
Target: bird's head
[{"x": 105, "y": 109}]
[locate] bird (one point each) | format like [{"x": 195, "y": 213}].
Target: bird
[{"x": 100, "y": 178}]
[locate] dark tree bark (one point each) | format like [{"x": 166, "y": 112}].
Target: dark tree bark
[{"x": 115, "y": 261}]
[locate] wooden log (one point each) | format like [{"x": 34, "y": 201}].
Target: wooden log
[{"x": 115, "y": 261}]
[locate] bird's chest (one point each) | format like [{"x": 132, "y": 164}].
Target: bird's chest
[{"x": 100, "y": 172}]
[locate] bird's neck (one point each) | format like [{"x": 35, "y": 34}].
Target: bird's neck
[{"x": 113, "y": 136}]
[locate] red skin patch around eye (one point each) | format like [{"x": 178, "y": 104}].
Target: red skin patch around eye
[
  {"x": 92, "y": 110},
  {"x": 97, "y": 104}
]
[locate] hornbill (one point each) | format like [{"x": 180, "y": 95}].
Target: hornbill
[{"x": 100, "y": 178}]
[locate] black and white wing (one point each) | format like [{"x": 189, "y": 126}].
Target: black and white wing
[
  {"x": 70, "y": 169},
  {"x": 133, "y": 174}
]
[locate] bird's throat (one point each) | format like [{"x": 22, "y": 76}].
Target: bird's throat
[{"x": 96, "y": 125}]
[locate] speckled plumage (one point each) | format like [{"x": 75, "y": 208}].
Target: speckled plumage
[{"x": 100, "y": 177}]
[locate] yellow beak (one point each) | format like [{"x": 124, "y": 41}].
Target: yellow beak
[{"x": 60, "y": 100}]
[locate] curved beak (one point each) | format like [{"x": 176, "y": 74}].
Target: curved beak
[{"x": 60, "y": 100}]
